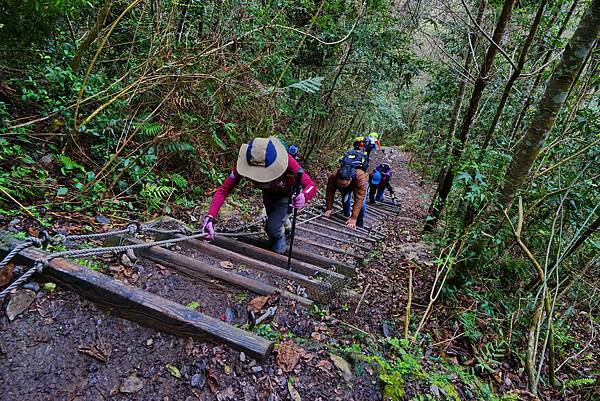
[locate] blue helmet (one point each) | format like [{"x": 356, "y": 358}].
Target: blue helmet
[
  {"x": 293, "y": 150},
  {"x": 376, "y": 178}
]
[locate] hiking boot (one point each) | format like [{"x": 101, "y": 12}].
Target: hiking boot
[{"x": 279, "y": 245}]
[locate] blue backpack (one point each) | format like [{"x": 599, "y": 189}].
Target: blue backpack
[{"x": 355, "y": 159}]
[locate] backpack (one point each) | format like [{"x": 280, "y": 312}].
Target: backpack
[{"x": 355, "y": 159}]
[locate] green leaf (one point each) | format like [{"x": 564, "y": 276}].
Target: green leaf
[
  {"x": 62, "y": 191},
  {"x": 193, "y": 305},
  {"x": 50, "y": 287},
  {"x": 173, "y": 370}
]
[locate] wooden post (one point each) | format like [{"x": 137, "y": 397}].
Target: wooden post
[{"x": 141, "y": 306}]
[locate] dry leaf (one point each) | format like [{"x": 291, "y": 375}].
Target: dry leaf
[
  {"x": 226, "y": 264},
  {"x": 173, "y": 370},
  {"x": 287, "y": 356},
  {"x": 212, "y": 381},
  {"x": 258, "y": 303},
  {"x": 6, "y": 273}
]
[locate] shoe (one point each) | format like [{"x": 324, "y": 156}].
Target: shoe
[{"x": 279, "y": 245}]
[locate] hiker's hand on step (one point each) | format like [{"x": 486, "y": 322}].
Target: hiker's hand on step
[
  {"x": 207, "y": 227},
  {"x": 298, "y": 201},
  {"x": 327, "y": 213},
  {"x": 351, "y": 223}
]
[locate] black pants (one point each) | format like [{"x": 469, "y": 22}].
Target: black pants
[{"x": 277, "y": 210}]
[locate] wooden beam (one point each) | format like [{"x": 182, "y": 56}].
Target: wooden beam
[
  {"x": 265, "y": 255},
  {"x": 141, "y": 306},
  {"x": 301, "y": 254},
  {"x": 197, "y": 269},
  {"x": 346, "y": 231},
  {"x": 333, "y": 237},
  {"x": 330, "y": 248},
  {"x": 333, "y": 220}
]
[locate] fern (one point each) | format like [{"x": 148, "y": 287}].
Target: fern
[
  {"x": 150, "y": 130},
  {"x": 154, "y": 195},
  {"x": 310, "y": 85},
  {"x": 582, "y": 382},
  {"x": 179, "y": 147},
  {"x": 178, "y": 180}
]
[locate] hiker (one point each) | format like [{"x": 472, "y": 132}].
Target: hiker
[
  {"x": 371, "y": 142},
  {"x": 268, "y": 165},
  {"x": 359, "y": 143},
  {"x": 379, "y": 181},
  {"x": 351, "y": 180},
  {"x": 295, "y": 152}
]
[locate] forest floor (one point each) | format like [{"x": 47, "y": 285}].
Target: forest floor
[{"x": 64, "y": 347}]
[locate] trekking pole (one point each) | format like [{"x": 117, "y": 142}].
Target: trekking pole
[{"x": 297, "y": 189}]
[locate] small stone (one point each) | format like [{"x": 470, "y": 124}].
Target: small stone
[
  {"x": 198, "y": 380},
  {"x": 47, "y": 159},
  {"x": 33, "y": 286},
  {"x": 242, "y": 357},
  {"x": 342, "y": 365},
  {"x": 252, "y": 363},
  {"x": 102, "y": 220},
  {"x": 115, "y": 269},
  {"x": 132, "y": 384},
  {"x": 19, "y": 302},
  {"x": 125, "y": 261},
  {"x": 256, "y": 369},
  {"x": 131, "y": 255},
  {"x": 149, "y": 342}
]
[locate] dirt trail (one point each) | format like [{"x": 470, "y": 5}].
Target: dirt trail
[{"x": 46, "y": 353}]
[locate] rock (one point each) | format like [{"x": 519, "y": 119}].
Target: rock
[
  {"x": 198, "y": 380},
  {"x": 33, "y": 286},
  {"x": 342, "y": 365},
  {"x": 125, "y": 261},
  {"x": 131, "y": 255},
  {"x": 19, "y": 302},
  {"x": 131, "y": 384},
  {"x": 256, "y": 369},
  {"x": 115, "y": 269},
  {"x": 242, "y": 357},
  {"x": 149, "y": 342},
  {"x": 46, "y": 160},
  {"x": 102, "y": 220}
]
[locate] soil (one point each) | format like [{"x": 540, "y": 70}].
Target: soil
[{"x": 66, "y": 348}]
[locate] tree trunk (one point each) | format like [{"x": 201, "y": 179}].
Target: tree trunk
[
  {"x": 560, "y": 82},
  {"x": 480, "y": 84},
  {"x": 538, "y": 79},
  {"x": 515, "y": 74},
  {"x": 91, "y": 35}
]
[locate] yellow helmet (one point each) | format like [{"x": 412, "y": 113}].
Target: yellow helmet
[
  {"x": 374, "y": 135},
  {"x": 359, "y": 139}
]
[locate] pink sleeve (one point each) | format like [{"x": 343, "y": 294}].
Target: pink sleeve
[
  {"x": 224, "y": 190},
  {"x": 308, "y": 186}
]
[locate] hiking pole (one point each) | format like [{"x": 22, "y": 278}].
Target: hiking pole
[{"x": 297, "y": 189}]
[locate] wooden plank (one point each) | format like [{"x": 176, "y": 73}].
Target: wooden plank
[
  {"x": 265, "y": 255},
  {"x": 330, "y": 248},
  {"x": 332, "y": 220},
  {"x": 195, "y": 268},
  {"x": 352, "y": 242},
  {"x": 143, "y": 307},
  {"x": 347, "y": 231},
  {"x": 306, "y": 256},
  {"x": 256, "y": 264}
]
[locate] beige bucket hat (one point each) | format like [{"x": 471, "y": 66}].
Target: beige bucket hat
[{"x": 262, "y": 159}]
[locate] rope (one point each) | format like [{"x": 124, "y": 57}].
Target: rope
[{"x": 23, "y": 245}]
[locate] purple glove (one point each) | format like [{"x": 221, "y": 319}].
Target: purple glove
[
  {"x": 207, "y": 227},
  {"x": 299, "y": 201}
]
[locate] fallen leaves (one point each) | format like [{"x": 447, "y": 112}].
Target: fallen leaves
[
  {"x": 6, "y": 274},
  {"x": 131, "y": 384},
  {"x": 19, "y": 302},
  {"x": 288, "y": 355},
  {"x": 294, "y": 394},
  {"x": 226, "y": 264},
  {"x": 173, "y": 370},
  {"x": 342, "y": 365},
  {"x": 258, "y": 303},
  {"x": 100, "y": 351}
]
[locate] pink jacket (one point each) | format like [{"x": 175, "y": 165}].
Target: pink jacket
[{"x": 283, "y": 185}]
